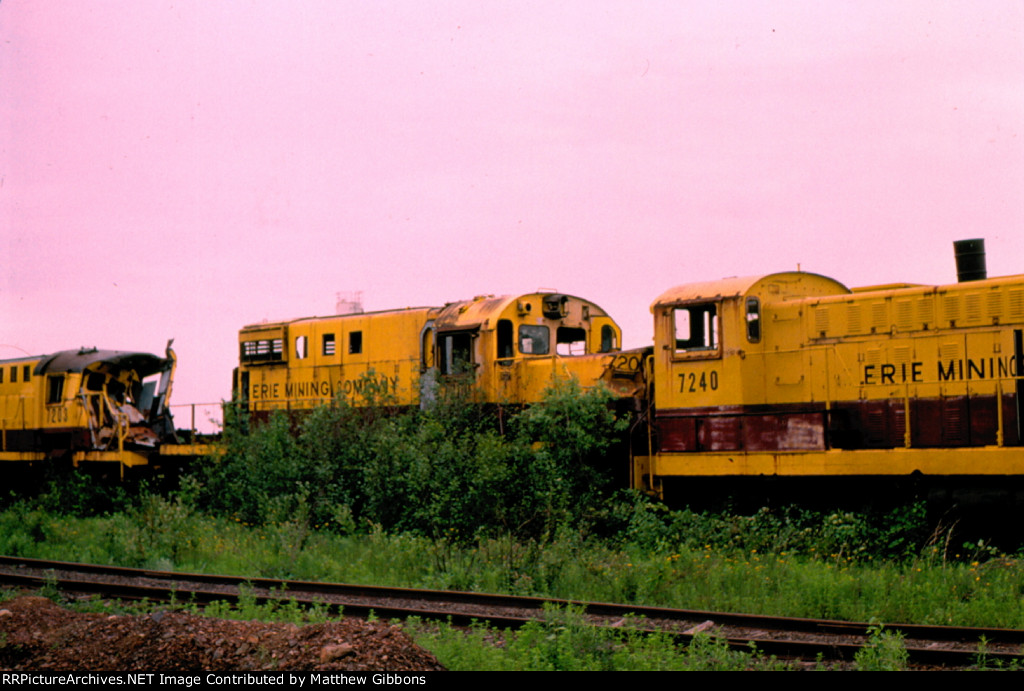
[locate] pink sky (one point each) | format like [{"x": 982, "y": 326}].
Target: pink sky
[{"x": 180, "y": 169}]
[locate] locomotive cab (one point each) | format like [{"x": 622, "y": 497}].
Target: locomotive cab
[
  {"x": 512, "y": 347},
  {"x": 726, "y": 354},
  {"x": 94, "y": 405}
]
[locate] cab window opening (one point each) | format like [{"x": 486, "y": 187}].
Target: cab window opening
[
  {"x": 696, "y": 327},
  {"x": 54, "y": 389},
  {"x": 608, "y": 340},
  {"x": 571, "y": 341},
  {"x": 753, "y": 320},
  {"x": 116, "y": 390},
  {"x": 506, "y": 339},
  {"x": 534, "y": 340},
  {"x": 456, "y": 353}
]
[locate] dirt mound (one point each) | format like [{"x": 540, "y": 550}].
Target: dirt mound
[{"x": 36, "y": 634}]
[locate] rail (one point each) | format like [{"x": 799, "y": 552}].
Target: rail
[{"x": 808, "y": 639}]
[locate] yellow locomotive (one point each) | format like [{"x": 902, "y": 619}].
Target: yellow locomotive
[
  {"x": 789, "y": 374},
  {"x": 793, "y": 374},
  {"x": 509, "y": 347},
  {"x": 85, "y": 405}
]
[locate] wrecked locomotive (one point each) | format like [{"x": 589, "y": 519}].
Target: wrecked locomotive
[
  {"x": 509, "y": 347},
  {"x": 93, "y": 405},
  {"x": 86, "y": 405}
]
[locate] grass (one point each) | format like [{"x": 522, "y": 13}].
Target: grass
[
  {"x": 884, "y": 652},
  {"x": 925, "y": 589},
  {"x": 563, "y": 641}
]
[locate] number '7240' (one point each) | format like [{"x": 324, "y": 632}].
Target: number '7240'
[{"x": 693, "y": 382}]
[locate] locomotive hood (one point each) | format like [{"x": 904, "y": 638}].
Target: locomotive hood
[{"x": 783, "y": 285}]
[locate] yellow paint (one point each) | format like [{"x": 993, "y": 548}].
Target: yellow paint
[
  {"x": 509, "y": 348},
  {"x": 815, "y": 345},
  {"x": 980, "y": 460},
  {"x": 43, "y": 399}
]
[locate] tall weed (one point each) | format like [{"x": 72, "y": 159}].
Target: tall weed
[{"x": 444, "y": 472}]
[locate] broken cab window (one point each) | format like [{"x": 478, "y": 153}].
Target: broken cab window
[
  {"x": 534, "y": 340},
  {"x": 301, "y": 347},
  {"x": 571, "y": 341},
  {"x": 456, "y": 351},
  {"x": 696, "y": 328},
  {"x": 116, "y": 390},
  {"x": 355, "y": 342}
]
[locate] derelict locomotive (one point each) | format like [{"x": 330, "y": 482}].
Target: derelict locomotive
[
  {"x": 787, "y": 375},
  {"x": 795, "y": 375},
  {"x": 86, "y": 405},
  {"x": 509, "y": 348}
]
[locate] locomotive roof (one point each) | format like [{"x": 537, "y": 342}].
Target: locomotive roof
[
  {"x": 785, "y": 283},
  {"x": 79, "y": 360},
  {"x": 352, "y": 315},
  {"x": 467, "y": 314}
]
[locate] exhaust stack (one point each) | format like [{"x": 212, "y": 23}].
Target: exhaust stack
[{"x": 970, "y": 260}]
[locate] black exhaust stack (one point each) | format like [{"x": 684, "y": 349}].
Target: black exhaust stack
[{"x": 970, "y": 260}]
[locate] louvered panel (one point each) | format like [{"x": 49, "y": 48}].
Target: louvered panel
[
  {"x": 1015, "y": 298},
  {"x": 853, "y": 319},
  {"x": 951, "y": 308},
  {"x": 879, "y": 317},
  {"x": 972, "y": 308},
  {"x": 904, "y": 315}
]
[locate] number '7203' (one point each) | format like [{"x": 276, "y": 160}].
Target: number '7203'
[{"x": 57, "y": 413}]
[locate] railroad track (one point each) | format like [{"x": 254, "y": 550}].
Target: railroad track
[{"x": 785, "y": 637}]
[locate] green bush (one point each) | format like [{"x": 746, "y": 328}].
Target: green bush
[{"x": 446, "y": 472}]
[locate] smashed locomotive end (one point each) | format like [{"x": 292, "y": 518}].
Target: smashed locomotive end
[{"x": 86, "y": 405}]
